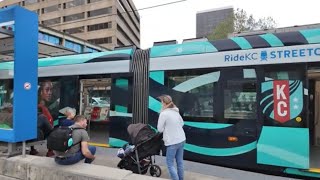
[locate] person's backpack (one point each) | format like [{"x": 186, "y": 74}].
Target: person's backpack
[{"x": 60, "y": 139}]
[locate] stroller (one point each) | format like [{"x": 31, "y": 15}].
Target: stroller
[{"x": 145, "y": 143}]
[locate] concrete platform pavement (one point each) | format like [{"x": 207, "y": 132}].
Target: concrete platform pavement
[
  {"x": 110, "y": 162},
  {"x": 188, "y": 175},
  {"x": 40, "y": 168},
  {"x": 193, "y": 171}
]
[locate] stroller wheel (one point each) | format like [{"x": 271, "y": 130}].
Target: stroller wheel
[{"x": 155, "y": 171}]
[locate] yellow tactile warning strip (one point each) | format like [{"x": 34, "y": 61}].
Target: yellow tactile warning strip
[
  {"x": 314, "y": 170},
  {"x": 98, "y": 144}
]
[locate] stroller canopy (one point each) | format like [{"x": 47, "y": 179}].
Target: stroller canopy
[{"x": 140, "y": 132}]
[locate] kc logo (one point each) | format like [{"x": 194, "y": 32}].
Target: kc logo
[
  {"x": 281, "y": 103},
  {"x": 282, "y": 100}
]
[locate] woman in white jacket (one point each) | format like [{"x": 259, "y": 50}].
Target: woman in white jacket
[{"x": 171, "y": 124}]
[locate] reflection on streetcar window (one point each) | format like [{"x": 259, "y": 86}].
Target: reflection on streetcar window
[{"x": 6, "y": 104}]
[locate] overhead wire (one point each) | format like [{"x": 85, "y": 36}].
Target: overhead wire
[{"x": 125, "y": 12}]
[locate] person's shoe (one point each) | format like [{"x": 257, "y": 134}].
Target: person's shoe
[
  {"x": 33, "y": 152},
  {"x": 50, "y": 153}
]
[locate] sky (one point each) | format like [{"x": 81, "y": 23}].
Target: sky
[{"x": 178, "y": 21}]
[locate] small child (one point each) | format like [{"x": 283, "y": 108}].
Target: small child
[{"x": 125, "y": 150}]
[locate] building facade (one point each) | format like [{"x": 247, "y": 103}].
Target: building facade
[
  {"x": 209, "y": 19},
  {"x": 108, "y": 23}
]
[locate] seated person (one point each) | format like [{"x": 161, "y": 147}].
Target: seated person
[
  {"x": 69, "y": 113},
  {"x": 6, "y": 116},
  {"x": 43, "y": 129},
  {"x": 80, "y": 148},
  {"x": 125, "y": 150}
]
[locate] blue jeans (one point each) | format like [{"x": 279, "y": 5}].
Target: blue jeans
[
  {"x": 78, "y": 156},
  {"x": 175, "y": 151}
]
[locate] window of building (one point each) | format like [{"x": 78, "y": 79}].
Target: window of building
[
  {"x": 27, "y": 2},
  {"x": 74, "y": 46},
  {"x": 121, "y": 6},
  {"x": 119, "y": 43},
  {"x": 93, "y": 1},
  {"x": 99, "y": 12},
  {"x": 121, "y": 31},
  {"x": 106, "y": 40},
  {"x": 74, "y": 3},
  {"x": 129, "y": 14},
  {"x": 96, "y": 27},
  {"x": 51, "y": 8},
  {"x": 127, "y": 25},
  {"x": 73, "y": 17},
  {"x": 90, "y": 50},
  {"x": 133, "y": 9},
  {"x": 49, "y": 38},
  {"x": 51, "y": 21},
  {"x": 74, "y": 30}
]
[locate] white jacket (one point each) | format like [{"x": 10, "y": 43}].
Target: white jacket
[{"x": 170, "y": 123}]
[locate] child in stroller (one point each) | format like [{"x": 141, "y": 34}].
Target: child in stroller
[{"x": 137, "y": 155}]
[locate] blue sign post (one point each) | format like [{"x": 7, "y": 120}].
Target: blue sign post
[{"x": 24, "y": 73}]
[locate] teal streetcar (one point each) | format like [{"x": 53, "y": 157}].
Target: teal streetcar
[{"x": 247, "y": 102}]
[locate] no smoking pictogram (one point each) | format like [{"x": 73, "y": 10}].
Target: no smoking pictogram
[{"x": 27, "y": 86}]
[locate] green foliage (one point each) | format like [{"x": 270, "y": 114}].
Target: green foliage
[{"x": 240, "y": 21}]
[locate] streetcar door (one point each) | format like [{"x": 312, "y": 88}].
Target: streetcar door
[
  {"x": 95, "y": 105},
  {"x": 284, "y": 137},
  {"x": 314, "y": 115},
  {"x": 238, "y": 90},
  {"x": 120, "y": 108}
]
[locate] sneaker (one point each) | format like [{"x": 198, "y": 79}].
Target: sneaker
[
  {"x": 50, "y": 153},
  {"x": 33, "y": 152}
]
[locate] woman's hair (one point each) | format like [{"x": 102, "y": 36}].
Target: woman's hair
[
  {"x": 42, "y": 84},
  {"x": 167, "y": 100}
]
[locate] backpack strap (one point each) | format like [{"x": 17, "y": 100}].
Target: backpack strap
[
  {"x": 74, "y": 144},
  {"x": 75, "y": 128},
  {"x": 72, "y": 131}
]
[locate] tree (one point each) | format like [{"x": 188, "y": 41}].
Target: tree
[
  {"x": 240, "y": 21},
  {"x": 267, "y": 23}
]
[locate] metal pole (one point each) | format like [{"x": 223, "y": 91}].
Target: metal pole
[
  {"x": 23, "y": 149},
  {"x": 138, "y": 161}
]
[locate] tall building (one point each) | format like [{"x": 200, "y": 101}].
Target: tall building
[
  {"x": 209, "y": 19},
  {"x": 109, "y": 23}
]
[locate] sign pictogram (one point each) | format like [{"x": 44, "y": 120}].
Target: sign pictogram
[{"x": 27, "y": 86}]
